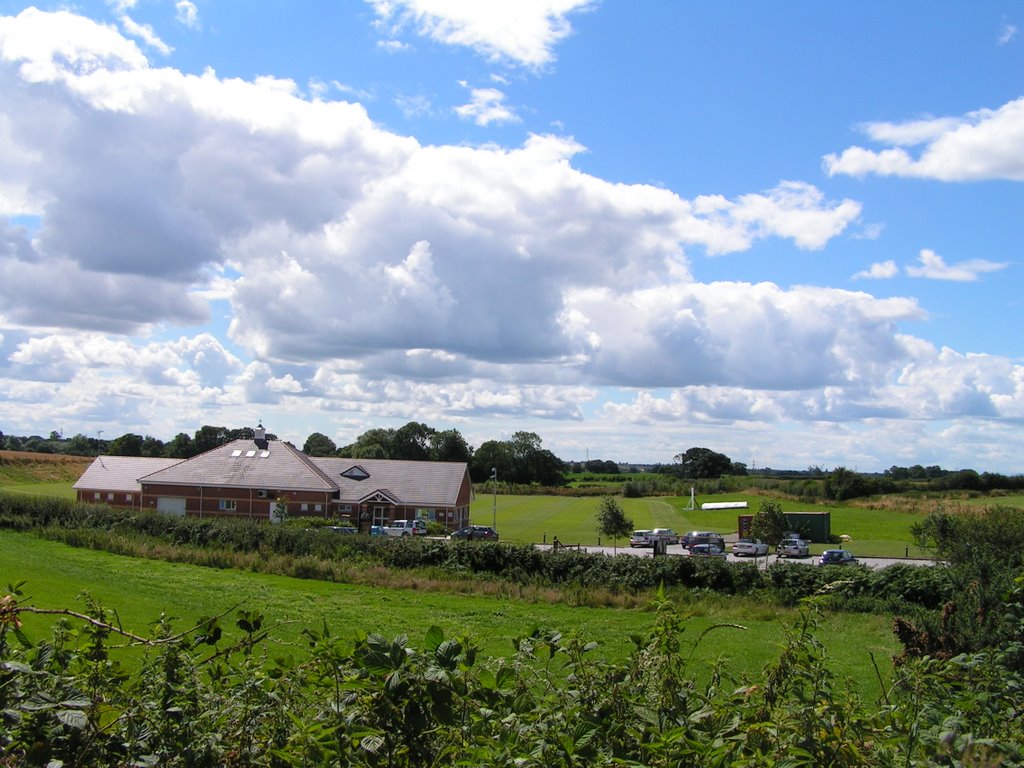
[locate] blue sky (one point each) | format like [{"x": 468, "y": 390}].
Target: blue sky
[{"x": 789, "y": 232}]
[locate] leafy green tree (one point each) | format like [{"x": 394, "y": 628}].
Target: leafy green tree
[
  {"x": 547, "y": 469},
  {"x": 843, "y": 483},
  {"x": 449, "y": 445},
  {"x": 365, "y": 450},
  {"x": 180, "y": 447},
  {"x": 372, "y": 444},
  {"x": 612, "y": 521},
  {"x": 36, "y": 444},
  {"x": 319, "y": 444},
  {"x": 984, "y": 551},
  {"x": 493, "y": 454},
  {"x": 209, "y": 437},
  {"x": 531, "y": 463},
  {"x": 79, "y": 445},
  {"x": 697, "y": 463},
  {"x": 769, "y": 523},
  {"x": 153, "y": 447},
  {"x": 412, "y": 442},
  {"x": 126, "y": 445}
]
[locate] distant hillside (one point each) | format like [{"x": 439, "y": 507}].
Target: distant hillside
[{"x": 23, "y": 467}]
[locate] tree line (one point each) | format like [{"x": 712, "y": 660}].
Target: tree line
[{"x": 522, "y": 460}]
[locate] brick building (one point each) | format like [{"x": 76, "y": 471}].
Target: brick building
[{"x": 253, "y": 479}]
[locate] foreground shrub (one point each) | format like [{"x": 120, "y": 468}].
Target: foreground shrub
[{"x": 93, "y": 694}]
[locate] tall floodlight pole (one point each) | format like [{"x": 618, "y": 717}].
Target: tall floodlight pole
[{"x": 494, "y": 491}]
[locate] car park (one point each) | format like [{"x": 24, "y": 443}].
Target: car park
[
  {"x": 642, "y": 538},
  {"x": 837, "y": 557},
  {"x": 707, "y": 550},
  {"x": 792, "y": 548},
  {"x": 475, "y": 533},
  {"x": 750, "y": 548}
]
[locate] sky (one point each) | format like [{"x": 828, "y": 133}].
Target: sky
[{"x": 789, "y": 232}]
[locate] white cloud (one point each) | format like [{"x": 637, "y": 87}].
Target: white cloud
[
  {"x": 792, "y": 209},
  {"x": 522, "y": 32},
  {"x": 921, "y": 383},
  {"x": 486, "y": 106},
  {"x": 414, "y": 106},
  {"x": 187, "y": 13},
  {"x": 1008, "y": 33},
  {"x": 393, "y": 46},
  {"x": 934, "y": 267},
  {"x": 146, "y": 34},
  {"x": 986, "y": 144},
  {"x": 879, "y": 271},
  {"x": 372, "y": 277}
]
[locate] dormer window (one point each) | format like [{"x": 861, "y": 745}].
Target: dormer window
[{"x": 355, "y": 473}]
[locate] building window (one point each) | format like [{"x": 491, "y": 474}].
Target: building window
[
  {"x": 318, "y": 507},
  {"x": 127, "y": 497},
  {"x": 304, "y": 508},
  {"x": 346, "y": 507},
  {"x": 227, "y": 505},
  {"x": 96, "y": 495},
  {"x": 110, "y": 497}
]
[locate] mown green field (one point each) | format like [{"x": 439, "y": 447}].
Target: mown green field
[
  {"x": 141, "y": 590},
  {"x": 60, "y": 490}
]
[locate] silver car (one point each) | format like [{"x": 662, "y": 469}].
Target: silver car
[
  {"x": 750, "y": 548},
  {"x": 792, "y": 548}
]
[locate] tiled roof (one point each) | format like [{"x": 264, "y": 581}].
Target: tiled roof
[
  {"x": 278, "y": 466},
  {"x": 119, "y": 473},
  {"x": 273, "y": 465},
  {"x": 414, "y": 483}
]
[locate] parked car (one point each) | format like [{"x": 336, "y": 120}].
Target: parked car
[
  {"x": 837, "y": 557},
  {"x": 665, "y": 534},
  {"x": 345, "y": 529},
  {"x": 696, "y": 538},
  {"x": 642, "y": 539},
  {"x": 377, "y": 530},
  {"x": 792, "y": 548},
  {"x": 750, "y": 548},
  {"x": 707, "y": 550},
  {"x": 407, "y": 528},
  {"x": 684, "y": 539},
  {"x": 475, "y": 533}
]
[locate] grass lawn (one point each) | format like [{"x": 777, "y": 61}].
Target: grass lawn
[
  {"x": 60, "y": 490},
  {"x": 141, "y": 590},
  {"x": 996, "y": 501}
]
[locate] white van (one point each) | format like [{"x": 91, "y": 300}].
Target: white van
[{"x": 407, "y": 528}]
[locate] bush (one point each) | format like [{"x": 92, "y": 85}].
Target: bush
[{"x": 92, "y": 695}]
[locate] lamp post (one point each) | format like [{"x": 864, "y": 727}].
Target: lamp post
[{"x": 494, "y": 504}]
